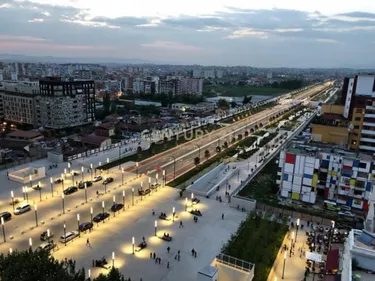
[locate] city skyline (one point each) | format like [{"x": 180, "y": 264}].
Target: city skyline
[{"x": 224, "y": 33}]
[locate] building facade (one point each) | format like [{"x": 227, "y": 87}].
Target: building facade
[
  {"x": 192, "y": 86},
  {"x": 341, "y": 176}
]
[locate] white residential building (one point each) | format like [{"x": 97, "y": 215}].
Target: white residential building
[{"x": 192, "y": 86}]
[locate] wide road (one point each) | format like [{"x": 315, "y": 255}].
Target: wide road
[{"x": 181, "y": 158}]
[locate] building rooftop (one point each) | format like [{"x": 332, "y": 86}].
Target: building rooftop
[
  {"x": 96, "y": 140},
  {"x": 24, "y": 134}
]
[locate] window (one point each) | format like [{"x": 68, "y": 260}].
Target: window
[{"x": 363, "y": 165}]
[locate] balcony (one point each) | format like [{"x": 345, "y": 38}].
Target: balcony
[
  {"x": 369, "y": 115},
  {"x": 369, "y": 124},
  {"x": 370, "y": 107},
  {"x": 368, "y": 132},
  {"x": 343, "y": 192},
  {"x": 367, "y": 147},
  {"x": 368, "y": 140}
]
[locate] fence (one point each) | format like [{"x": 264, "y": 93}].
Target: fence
[
  {"x": 21, "y": 162},
  {"x": 234, "y": 262}
]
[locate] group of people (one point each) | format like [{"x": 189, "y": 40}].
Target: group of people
[
  {"x": 166, "y": 235},
  {"x": 163, "y": 215},
  {"x": 197, "y": 212}
]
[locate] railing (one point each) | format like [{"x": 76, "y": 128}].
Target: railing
[{"x": 234, "y": 262}]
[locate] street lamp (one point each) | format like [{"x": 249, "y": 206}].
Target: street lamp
[
  {"x": 36, "y": 215},
  {"x": 173, "y": 212},
  {"x": 48, "y": 234},
  {"x": 91, "y": 213},
  {"x": 31, "y": 180},
  {"x": 164, "y": 180},
  {"x": 282, "y": 277},
  {"x": 79, "y": 232},
  {"x": 114, "y": 207},
  {"x": 291, "y": 244},
  {"x": 113, "y": 259},
  {"x": 40, "y": 191},
  {"x": 89, "y": 274},
  {"x": 12, "y": 195},
  {"x": 69, "y": 166},
  {"x": 107, "y": 160},
  {"x": 133, "y": 242},
  {"x": 64, "y": 173},
  {"x": 122, "y": 176},
  {"x": 103, "y": 209},
  {"x": 51, "y": 182},
  {"x": 72, "y": 178},
  {"x": 2, "y": 226},
  {"x": 137, "y": 165},
  {"x": 31, "y": 244},
  {"x": 23, "y": 193},
  {"x": 156, "y": 227},
  {"x": 149, "y": 182},
  {"x": 63, "y": 202},
  {"x": 91, "y": 168},
  {"x": 297, "y": 228},
  {"x": 62, "y": 181},
  {"x": 86, "y": 191},
  {"x": 141, "y": 190},
  {"x": 27, "y": 194},
  {"x": 186, "y": 203},
  {"x": 123, "y": 199},
  {"x": 192, "y": 197},
  {"x": 10, "y": 251},
  {"x": 82, "y": 172},
  {"x": 133, "y": 196},
  {"x": 64, "y": 234}
]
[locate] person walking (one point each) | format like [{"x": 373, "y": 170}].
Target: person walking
[
  {"x": 88, "y": 243},
  {"x": 222, "y": 216},
  {"x": 168, "y": 249},
  {"x": 168, "y": 265},
  {"x": 181, "y": 224}
]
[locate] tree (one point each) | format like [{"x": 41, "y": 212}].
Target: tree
[
  {"x": 223, "y": 103},
  {"x": 233, "y": 104},
  {"x": 139, "y": 151},
  {"x": 197, "y": 161},
  {"x": 246, "y": 99},
  {"x": 218, "y": 149},
  {"x": 207, "y": 154},
  {"x": 113, "y": 275}
]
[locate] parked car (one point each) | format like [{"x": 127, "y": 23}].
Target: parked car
[
  {"x": 85, "y": 226},
  {"x": 6, "y": 216},
  {"x": 44, "y": 235},
  {"x": 97, "y": 178},
  {"x": 346, "y": 214},
  {"x": 108, "y": 180},
  {"x": 101, "y": 216},
  {"x": 22, "y": 209},
  {"x": 69, "y": 236},
  {"x": 48, "y": 246},
  {"x": 117, "y": 207},
  {"x": 70, "y": 190},
  {"x": 81, "y": 185}
]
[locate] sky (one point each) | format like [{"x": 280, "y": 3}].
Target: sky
[{"x": 267, "y": 33}]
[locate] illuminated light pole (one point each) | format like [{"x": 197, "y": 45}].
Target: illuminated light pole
[
  {"x": 3, "y": 227},
  {"x": 63, "y": 202},
  {"x": 91, "y": 168},
  {"x": 164, "y": 179},
  {"x": 173, "y": 212},
  {"x": 91, "y": 213},
  {"x": 79, "y": 232},
  {"x": 192, "y": 197},
  {"x": 291, "y": 244},
  {"x": 157, "y": 178},
  {"x": 40, "y": 191},
  {"x": 36, "y": 215},
  {"x": 27, "y": 194},
  {"x": 62, "y": 181},
  {"x": 23, "y": 193},
  {"x": 48, "y": 234},
  {"x": 31, "y": 244},
  {"x": 123, "y": 199},
  {"x": 186, "y": 203},
  {"x": 86, "y": 191},
  {"x": 141, "y": 190},
  {"x": 114, "y": 207},
  {"x": 10, "y": 251},
  {"x": 31, "y": 180},
  {"x": 113, "y": 259},
  {"x": 64, "y": 174},
  {"x": 149, "y": 185},
  {"x": 103, "y": 209},
  {"x": 64, "y": 234},
  {"x": 82, "y": 170},
  {"x": 72, "y": 174},
  {"x": 133, "y": 196},
  {"x": 89, "y": 274},
  {"x": 137, "y": 166},
  {"x": 51, "y": 182},
  {"x": 133, "y": 242},
  {"x": 70, "y": 168},
  {"x": 12, "y": 195},
  {"x": 156, "y": 227},
  {"x": 282, "y": 277},
  {"x": 107, "y": 160},
  {"x": 122, "y": 176},
  {"x": 297, "y": 228}
]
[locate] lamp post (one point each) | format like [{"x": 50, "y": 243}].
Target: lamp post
[
  {"x": 70, "y": 167},
  {"x": 91, "y": 168},
  {"x": 40, "y": 191},
  {"x": 31, "y": 180},
  {"x": 10, "y": 251},
  {"x": 27, "y": 194},
  {"x": 107, "y": 160},
  {"x": 64, "y": 234},
  {"x": 142, "y": 190},
  {"x": 86, "y": 191},
  {"x": 291, "y": 245},
  {"x": 297, "y": 228},
  {"x": 12, "y": 195},
  {"x": 89, "y": 274},
  {"x": 114, "y": 207},
  {"x": 91, "y": 212},
  {"x": 23, "y": 193},
  {"x": 63, "y": 202},
  {"x": 113, "y": 259},
  {"x": 2, "y": 226},
  {"x": 186, "y": 203},
  {"x": 64, "y": 174},
  {"x": 51, "y": 182},
  {"x": 82, "y": 170},
  {"x": 72, "y": 178},
  {"x": 31, "y": 244},
  {"x": 164, "y": 180},
  {"x": 192, "y": 197},
  {"x": 173, "y": 213},
  {"x": 133, "y": 196},
  {"x": 137, "y": 166},
  {"x": 48, "y": 234},
  {"x": 174, "y": 167},
  {"x": 282, "y": 277},
  {"x": 103, "y": 209},
  {"x": 149, "y": 185},
  {"x": 36, "y": 215},
  {"x": 123, "y": 199},
  {"x": 122, "y": 176},
  {"x": 156, "y": 227},
  {"x": 133, "y": 242},
  {"x": 79, "y": 232},
  {"x": 62, "y": 181}
]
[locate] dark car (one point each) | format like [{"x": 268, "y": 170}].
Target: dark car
[
  {"x": 117, "y": 207},
  {"x": 85, "y": 226},
  {"x": 101, "y": 216},
  {"x": 44, "y": 236},
  {"x": 6, "y": 216},
  {"x": 81, "y": 185},
  {"x": 70, "y": 190},
  {"x": 108, "y": 180}
]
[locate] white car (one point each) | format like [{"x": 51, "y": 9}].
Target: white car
[
  {"x": 346, "y": 214},
  {"x": 97, "y": 178},
  {"x": 69, "y": 236},
  {"x": 48, "y": 246},
  {"x": 22, "y": 209}
]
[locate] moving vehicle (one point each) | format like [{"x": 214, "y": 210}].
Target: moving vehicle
[
  {"x": 70, "y": 190},
  {"x": 81, "y": 185},
  {"x": 44, "y": 235},
  {"x": 69, "y": 236},
  {"x": 85, "y": 226},
  {"x": 22, "y": 209},
  {"x": 6, "y": 216},
  {"x": 117, "y": 207},
  {"x": 108, "y": 180},
  {"x": 346, "y": 214},
  {"x": 100, "y": 217},
  {"x": 97, "y": 178}
]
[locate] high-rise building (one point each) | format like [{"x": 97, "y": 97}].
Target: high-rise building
[{"x": 192, "y": 86}]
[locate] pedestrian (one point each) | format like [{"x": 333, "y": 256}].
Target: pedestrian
[
  {"x": 143, "y": 238},
  {"x": 154, "y": 255},
  {"x": 178, "y": 253},
  {"x": 156, "y": 260},
  {"x": 192, "y": 252},
  {"x": 168, "y": 249},
  {"x": 168, "y": 265},
  {"x": 88, "y": 242},
  {"x": 195, "y": 254},
  {"x": 181, "y": 225},
  {"x": 159, "y": 260},
  {"x": 222, "y": 216},
  {"x": 151, "y": 255},
  {"x": 178, "y": 257}
]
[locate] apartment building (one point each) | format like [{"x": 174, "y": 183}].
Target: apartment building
[
  {"x": 63, "y": 104},
  {"x": 338, "y": 175},
  {"x": 170, "y": 86},
  {"x": 192, "y": 86}
]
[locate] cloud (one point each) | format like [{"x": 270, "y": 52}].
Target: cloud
[
  {"x": 166, "y": 45},
  {"x": 326, "y": 40},
  {"x": 358, "y": 15},
  {"x": 248, "y": 32}
]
